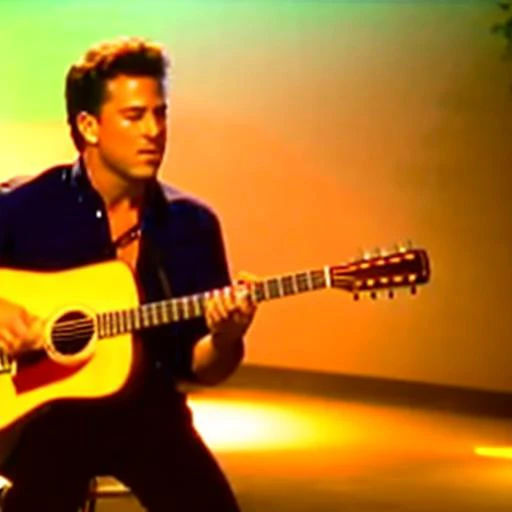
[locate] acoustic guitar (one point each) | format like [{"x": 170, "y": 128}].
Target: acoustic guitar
[{"x": 91, "y": 312}]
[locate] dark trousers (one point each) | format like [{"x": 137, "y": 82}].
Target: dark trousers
[{"x": 147, "y": 442}]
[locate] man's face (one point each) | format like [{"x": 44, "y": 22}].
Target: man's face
[{"x": 132, "y": 124}]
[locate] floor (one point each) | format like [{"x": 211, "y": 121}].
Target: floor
[{"x": 292, "y": 452}]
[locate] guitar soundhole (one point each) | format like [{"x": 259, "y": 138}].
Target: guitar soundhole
[{"x": 72, "y": 332}]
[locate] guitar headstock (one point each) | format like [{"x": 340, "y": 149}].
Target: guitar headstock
[{"x": 403, "y": 268}]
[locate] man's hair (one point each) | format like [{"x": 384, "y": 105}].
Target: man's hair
[{"x": 86, "y": 80}]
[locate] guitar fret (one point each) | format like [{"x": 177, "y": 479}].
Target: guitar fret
[
  {"x": 280, "y": 287},
  {"x": 185, "y": 308},
  {"x": 192, "y": 307},
  {"x": 168, "y": 309},
  {"x": 327, "y": 276},
  {"x": 126, "y": 321},
  {"x": 273, "y": 288},
  {"x": 179, "y": 309},
  {"x": 131, "y": 319},
  {"x": 174, "y": 310},
  {"x": 158, "y": 314},
  {"x": 259, "y": 292},
  {"x": 294, "y": 285},
  {"x": 99, "y": 322},
  {"x": 309, "y": 277},
  {"x": 123, "y": 325},
  {"x": 121, "y": 322},
  {"x": 164, "y": 312},
  {"x": 266, "y": 290},
  {"x": 287, "y": 285},
  {"x": 146, "y": 322},
  {"x": 115, "y": 323},
  {"x": 108, "y": 324},
  {"x": 302, "y": 282},
  {"x": 317, "y": 278},
  {"x": 137, "y": 318},
  {"x": 153, "y": 314},
  {"x": 197, "y": 303},
  {"x": 119, "y": 317}
]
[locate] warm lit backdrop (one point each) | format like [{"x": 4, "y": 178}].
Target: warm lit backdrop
[{"x": 316, "y": 129}]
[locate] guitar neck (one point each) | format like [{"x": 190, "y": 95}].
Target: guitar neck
[{"x": 174, "y": 310}]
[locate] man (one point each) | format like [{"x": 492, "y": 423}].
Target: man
[{"x": 108, "y": 204}]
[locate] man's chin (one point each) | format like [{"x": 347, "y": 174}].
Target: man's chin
[{"x": 145, "y": 172}]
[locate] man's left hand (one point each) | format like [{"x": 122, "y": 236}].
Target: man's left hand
[{"x": 229, "y": 315}]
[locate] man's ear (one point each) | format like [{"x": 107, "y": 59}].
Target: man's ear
[{"x": 87, "y": 125}]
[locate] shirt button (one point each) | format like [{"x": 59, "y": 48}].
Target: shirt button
[
  {"x": 99, "y": 214},
  {"x": 158, "y": 365}
]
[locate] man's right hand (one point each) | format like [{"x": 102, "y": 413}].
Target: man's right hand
[{"x": 19, "y": 330}]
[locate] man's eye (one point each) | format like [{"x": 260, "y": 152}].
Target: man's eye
[{"x": 161, "y": 114}]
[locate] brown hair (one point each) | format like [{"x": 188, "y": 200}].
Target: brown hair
[{"x": 86, "y": 80}]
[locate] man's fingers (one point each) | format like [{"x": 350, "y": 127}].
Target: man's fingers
[
  {"x": 6, "y": 341},
  {"x": 35, "y": 334},
  {"x": 244, "y": 299},
  {"x": 20, "y": 328}
]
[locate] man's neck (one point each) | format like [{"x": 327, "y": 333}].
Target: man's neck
[{"x": 116, "y": 192}]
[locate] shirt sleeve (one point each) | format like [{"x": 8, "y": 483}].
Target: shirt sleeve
[
  {"x": 4, "y": 224},
  {"x": 214, "y": 274},
  {"x": 7, "y": 219}
]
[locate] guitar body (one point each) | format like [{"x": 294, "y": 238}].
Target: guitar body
[{"x": 92, "y": 289}]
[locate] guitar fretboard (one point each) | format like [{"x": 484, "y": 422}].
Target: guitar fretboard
[{"x": 193, "y": 306}]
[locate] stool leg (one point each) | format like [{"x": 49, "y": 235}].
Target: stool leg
[
  {"x": 89, "y": 505},
  {"x": 90, "y": 502}
]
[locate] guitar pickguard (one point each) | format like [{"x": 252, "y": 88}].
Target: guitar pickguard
[{"x": 37, "y": 370}]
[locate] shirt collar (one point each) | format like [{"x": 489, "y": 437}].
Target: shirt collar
[{"x": 155, "y": 208}]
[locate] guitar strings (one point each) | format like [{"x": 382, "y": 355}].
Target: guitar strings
[{"x": 80, "y": 326}]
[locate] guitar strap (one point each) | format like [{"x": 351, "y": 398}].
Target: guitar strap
[
  {"x": 155, "y": 255},
  {"x": 129, "y": 236}
]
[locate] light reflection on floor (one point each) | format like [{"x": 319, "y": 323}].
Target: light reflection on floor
[
  {"x": 287, "y": 452},
  {"x": 234, "y": 422},
  {"x": 241, "y": 421}
]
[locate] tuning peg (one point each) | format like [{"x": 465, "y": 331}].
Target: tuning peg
[
  {"x": 414, "y": 290},
  {"x": 373, "y": 294},
  {"x": 391, "y": 294},
  {"x": 356, "y": 296}
]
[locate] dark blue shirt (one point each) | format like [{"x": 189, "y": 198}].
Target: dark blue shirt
[{"x": 58, "y": 221}]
